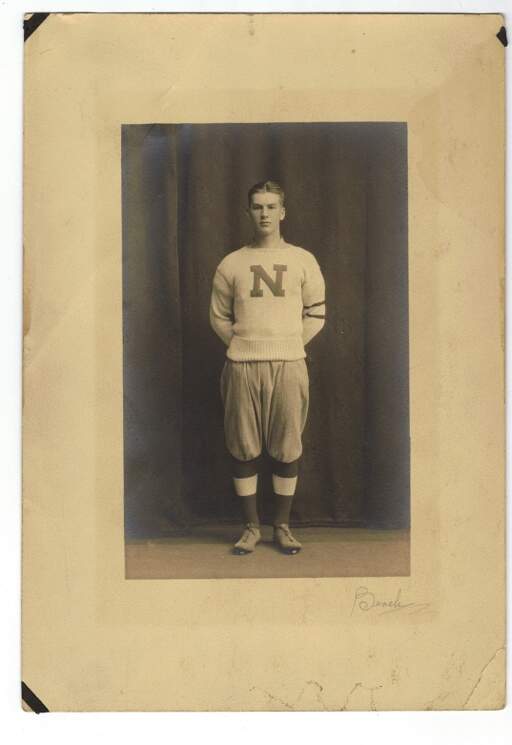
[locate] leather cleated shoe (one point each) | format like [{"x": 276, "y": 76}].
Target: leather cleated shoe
[
  {"x": 249, "y": 540},
  {"x": 285, "y": 540}
]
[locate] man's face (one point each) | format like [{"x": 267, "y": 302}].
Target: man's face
[{"x": 266, "y": 212}]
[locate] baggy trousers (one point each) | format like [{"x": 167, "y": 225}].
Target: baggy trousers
[{"x": 265, "y": 404}]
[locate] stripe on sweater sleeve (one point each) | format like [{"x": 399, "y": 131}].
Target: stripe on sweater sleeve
[
  {"x": 221, "y": 308},
  {"x": 313, "y": 299}
]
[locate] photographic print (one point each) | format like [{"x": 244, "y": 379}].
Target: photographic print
[
  {"x": 263, "y": 362},
  {"x": 265, "y": 350}
]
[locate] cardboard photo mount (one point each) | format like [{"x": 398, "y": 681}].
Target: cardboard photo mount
[{"x": 94, "y": 641}]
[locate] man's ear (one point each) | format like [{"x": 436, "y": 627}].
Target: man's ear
[{"x": 283, "y": 213}]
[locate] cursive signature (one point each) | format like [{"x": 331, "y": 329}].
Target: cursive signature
[{"x": 365, "y": 600}]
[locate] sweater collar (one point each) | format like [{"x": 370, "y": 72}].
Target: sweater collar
[{"x": 278, "y": 247}]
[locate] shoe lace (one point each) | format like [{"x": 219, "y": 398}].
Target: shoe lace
[
  {"x": 286, "y": 530},
  {"x": 248, "y": 530}
]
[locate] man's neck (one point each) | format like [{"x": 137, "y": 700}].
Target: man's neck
[{"x": 268, "y": 241}]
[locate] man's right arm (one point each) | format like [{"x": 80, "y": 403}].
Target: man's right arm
[{"x": 221, "y": 308}]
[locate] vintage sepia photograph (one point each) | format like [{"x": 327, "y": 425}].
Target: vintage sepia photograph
[
  {"x": 265, "y": 350},
  {"x": 263, "y": 362}
]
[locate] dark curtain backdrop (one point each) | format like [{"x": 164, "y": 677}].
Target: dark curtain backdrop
[{"x": 184, "y": 198}]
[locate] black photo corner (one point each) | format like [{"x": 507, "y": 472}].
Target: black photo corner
[{"x": 184, "y": 193}]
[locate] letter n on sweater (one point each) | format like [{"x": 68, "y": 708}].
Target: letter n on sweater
[{"x": 275, "y": 286}]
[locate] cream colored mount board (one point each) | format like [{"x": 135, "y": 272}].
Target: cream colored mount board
[{"x": 93, "y": 640}]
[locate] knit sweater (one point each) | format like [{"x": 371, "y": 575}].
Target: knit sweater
[{"x": 267, "y": 303}]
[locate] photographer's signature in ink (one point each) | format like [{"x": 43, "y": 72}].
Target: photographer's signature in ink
[{"x": 367, "y": 601}]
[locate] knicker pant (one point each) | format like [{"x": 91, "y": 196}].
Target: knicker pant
[{"x": 265, "y": 403}]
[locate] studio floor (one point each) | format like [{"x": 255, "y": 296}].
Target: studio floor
[{"x": 206, "y": 553}]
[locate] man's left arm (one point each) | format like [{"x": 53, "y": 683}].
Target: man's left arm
[{"x": 313, "y": 299}]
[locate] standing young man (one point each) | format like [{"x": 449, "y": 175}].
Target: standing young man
[{"x": 267, "y": 303}]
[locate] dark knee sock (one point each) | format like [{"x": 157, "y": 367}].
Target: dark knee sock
[
  {"x": 285, "y": 470},
  {"x": 245, "y": 478},
  {"x": 284, "y": 478},
  {"x": 250, "y": 508},
  {"x": 283, "y": 508},
  {"x": 242, "y": 469}
]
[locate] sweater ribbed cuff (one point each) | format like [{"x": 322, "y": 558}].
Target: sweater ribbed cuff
[{"x": 246, "y": 350}]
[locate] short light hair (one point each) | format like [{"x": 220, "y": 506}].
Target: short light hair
[{"x": 266, "y": 186}]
